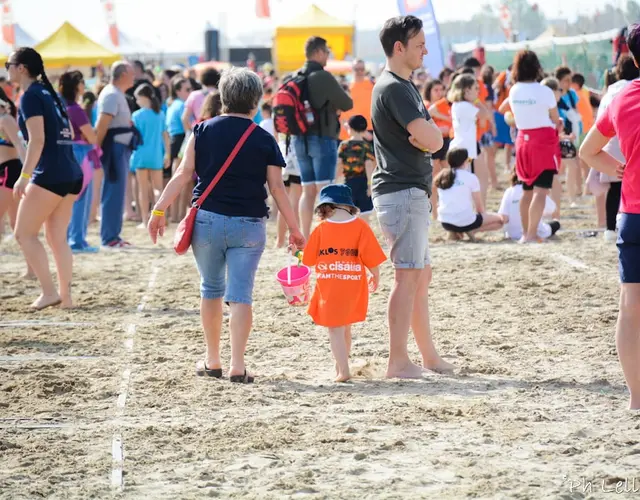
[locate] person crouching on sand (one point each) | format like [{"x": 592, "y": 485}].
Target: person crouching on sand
[{"x": 341, "y": 248}]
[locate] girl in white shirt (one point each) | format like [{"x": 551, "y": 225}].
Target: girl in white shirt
[
  {"x": 465, "y": 116},
  {"x": 460, "y": 207}
]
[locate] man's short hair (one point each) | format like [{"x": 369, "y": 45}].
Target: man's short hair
[
  {"x": 314, "y": 44},
  {"x": 118, "y": 69},
  {"x": 562, "y": 72},
  {"x": 578, "y": 79},
  {"x": 472, "y": 62},
  {"x": 139, "y": 65},
  {"x": 398, "y": 29},
  {"x": 633, "y": 41}
]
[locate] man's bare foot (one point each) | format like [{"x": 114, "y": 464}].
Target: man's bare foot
[
  {"x": 439, "y": 366},
  {"x": 408, "y": 370},
  {"x": 45, "y": 301}
]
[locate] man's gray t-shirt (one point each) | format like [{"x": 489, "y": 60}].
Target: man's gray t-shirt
[
  {"x": 112, "y": 101},
  {"x": 396, "y": 102}
]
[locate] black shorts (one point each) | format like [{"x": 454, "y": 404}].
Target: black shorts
[
  {"x": 359, "y": 187},
  {"x": 176, "y": 144},
  {"x": 544, "y": 181},
  {"x": 471, "y": 227},
  {"x": 293, "y": 179},
  {"x": 479, "y": 148},
  {"x": 10, "y": 173},
  {"x": 442, "y": 153},
  {"x": 62, "y": 188}
]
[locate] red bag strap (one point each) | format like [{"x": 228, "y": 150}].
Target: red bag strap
[{"x": 226, "y": 164}]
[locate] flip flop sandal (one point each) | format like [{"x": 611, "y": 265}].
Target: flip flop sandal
[
  {"x": 241, "y": 379},
  {"x": 202, "y": 370}
]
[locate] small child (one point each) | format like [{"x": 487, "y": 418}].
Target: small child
[
  {"x": 510, "y": 212},
  {"x": 460, "y": 208},
  {"x": 267, "y": 120},
  {"x": 153, "y": 155},
  {"x": 341, "y": 248},
  {"x": 356, "y": 162}
]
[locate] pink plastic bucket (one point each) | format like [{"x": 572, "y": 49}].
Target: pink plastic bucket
[{"x": 298, "y": 291}]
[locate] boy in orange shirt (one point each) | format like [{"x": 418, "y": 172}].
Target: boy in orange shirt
[{"x": 341, "y": 248}]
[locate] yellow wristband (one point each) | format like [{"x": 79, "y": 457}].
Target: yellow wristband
[
  {"x": 159, "y": 213},
  {"x": 25, "y": 176}
]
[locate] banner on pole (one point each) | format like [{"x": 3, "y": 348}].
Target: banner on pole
[
  {"x": 110, "y": 13},
  {"x": 423, "y": 9},
  {"x": 262, "y": 9},
  {"x": 8, "y": 26}
]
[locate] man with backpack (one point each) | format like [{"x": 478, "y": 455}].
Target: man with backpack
[{"x": 306, "y": 110}]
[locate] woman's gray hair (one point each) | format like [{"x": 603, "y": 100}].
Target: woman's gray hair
[{"x": 240, "y": 91}]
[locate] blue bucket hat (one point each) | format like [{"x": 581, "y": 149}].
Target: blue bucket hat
[{"x": 337, "y": 194}]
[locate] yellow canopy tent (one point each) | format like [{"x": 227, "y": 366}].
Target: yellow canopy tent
[
  {"x": 69, "y": 47},
  {"x": 289, "y": 40}
]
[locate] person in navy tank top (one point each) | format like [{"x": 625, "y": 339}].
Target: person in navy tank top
[{"x": 50, "y": 179}]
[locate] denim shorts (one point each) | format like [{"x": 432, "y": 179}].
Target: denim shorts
[
  {"x": 629, "y": 248},
  {"x": 404, "y": 218},
  {"x": 317, "y": 158},
  {"x": 227, "y": 252}
]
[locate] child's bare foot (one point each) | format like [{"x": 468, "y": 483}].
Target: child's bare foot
[
  {"x": 142, "y": 225},
  {"x": 27, "y": 276},
  {"x": 45, "y": 301},
  {"x": 278, "y": 244},
  {"x": 408, "y": 370},
  {"x": 343, "y": 377},
  {"x": 66, "y": 303},
  {"x": 439, "y": 365},
  {"x": 471, "y": 237}
]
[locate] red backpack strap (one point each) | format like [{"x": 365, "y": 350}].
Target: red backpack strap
[{"x": 226, "y": 164}]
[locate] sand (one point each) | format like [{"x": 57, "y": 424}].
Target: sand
[{"x": 536, "y": 408}]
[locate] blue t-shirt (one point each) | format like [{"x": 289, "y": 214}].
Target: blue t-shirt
[
  {"x": 174, "y": 117},
  {"x": 241, "y": 191},
  {"x": 151, "y": 126},
  {"x": 569, "y": 101},
  {"x": 57, "y": 162}
]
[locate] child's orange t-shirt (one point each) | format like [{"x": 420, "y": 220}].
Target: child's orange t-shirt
[
  {"x": 444, "y": 108},
  {"x": 341, "y": 253}
]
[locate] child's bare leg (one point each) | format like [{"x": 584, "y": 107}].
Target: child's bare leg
[
  {"x": 340, "y": 353},
  {"x": 142, "y": 177},
  {"x": 347, "y": 339},
  {"x": 282, "y": 225}
]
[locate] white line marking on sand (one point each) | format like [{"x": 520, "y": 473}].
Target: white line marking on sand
[
  {"x": 37, "y": 322},
  {"x": 578, "y": 264},
  {"x": 26, "y": 358},
  {"x": 117, "y": 445}
]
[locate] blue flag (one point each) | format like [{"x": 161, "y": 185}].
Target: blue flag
[{"x": 423, "y": 9}]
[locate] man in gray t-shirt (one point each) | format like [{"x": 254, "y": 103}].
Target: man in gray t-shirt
[
  {"x": 403, "y": 136},
  {"x": 113, "y": 112}
]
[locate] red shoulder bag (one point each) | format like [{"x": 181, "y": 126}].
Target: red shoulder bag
[{"x": 184, "y": 233}]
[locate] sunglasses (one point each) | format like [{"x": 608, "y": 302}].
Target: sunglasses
[{"x": 7, "y": 65}]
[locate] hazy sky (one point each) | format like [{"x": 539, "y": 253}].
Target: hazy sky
[{"x": 184, "y": 20}]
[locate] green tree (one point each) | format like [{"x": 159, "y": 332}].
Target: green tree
[{"x": 632, "y": 11}]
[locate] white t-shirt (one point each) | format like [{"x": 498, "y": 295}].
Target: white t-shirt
[
  {"x": 530, "y": 105},
  {"x": 268, "y": 126},
  {"x": 464, "y": 116},
  {"x": 510, "y": 206},
  {"x": 455, "y": 205},
  {"x": 613, "y": 146},
  {"x": 291, "y": 160}
]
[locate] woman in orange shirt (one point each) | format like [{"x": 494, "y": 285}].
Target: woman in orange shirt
[
  {"x": 440, "y": 111},
  {"x": 341, "y": 248}
]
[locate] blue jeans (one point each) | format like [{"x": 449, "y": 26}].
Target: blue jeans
[
  {"x": 112, "y": 207},
  {"x": 77, "y": 232},
  {"x": 317, "y": 158},
  {"x": 228, "y": 247}
]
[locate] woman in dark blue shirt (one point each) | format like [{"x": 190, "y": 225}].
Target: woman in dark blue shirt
[
  {"x": 50, "y": 179},
  {"x": 229, "y": 236}
]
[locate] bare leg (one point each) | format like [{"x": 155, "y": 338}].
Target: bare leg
[
  {"x": 556, "y": 195},
  {"x": 143, "y": 182},
  {"x": 482, "y": 172},
  {"x": 536, "y": 209},
  {"x": 573, "y": 179},
  {"x": 400, "y": 312},
  {"x": 240, "y": 326},
  {"x": 129, "y": 197},
  {"x": 307, "y": 205},
  {"x": 491, "y": 167},
  {"x": 601, "y": 210},
  {"x": 628, "y": 339},
  {"x": 211, "y": 317},
  {"x": 421, "y": 326},
  {"x": 491, "y": 222},
  {"x": 34, "y": 209},
  {"x": 156, "y": 185},
  {"x": 282, "y": 225},
  {"x": 55, "y": 229},
  {"x": 9, "y": 206},
  {"x": 438, "y": 165},
  {"x": 525, "y": 204},
  {"x": 340, "y": 353},
  {"x": 98, "y": 176}
]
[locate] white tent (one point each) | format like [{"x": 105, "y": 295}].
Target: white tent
[
  {"x": 23, "y": 39},
  {"x": 130, "y": 45}
]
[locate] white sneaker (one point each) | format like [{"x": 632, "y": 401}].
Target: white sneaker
[{"x": 610, "y": 236}]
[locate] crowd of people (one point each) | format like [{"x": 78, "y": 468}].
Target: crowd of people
[{"x": 398, "y": 144}]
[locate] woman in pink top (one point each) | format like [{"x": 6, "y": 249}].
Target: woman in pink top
[
  {"x": 193, "y": 104},
  {"x": 620, "y": 119}
]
